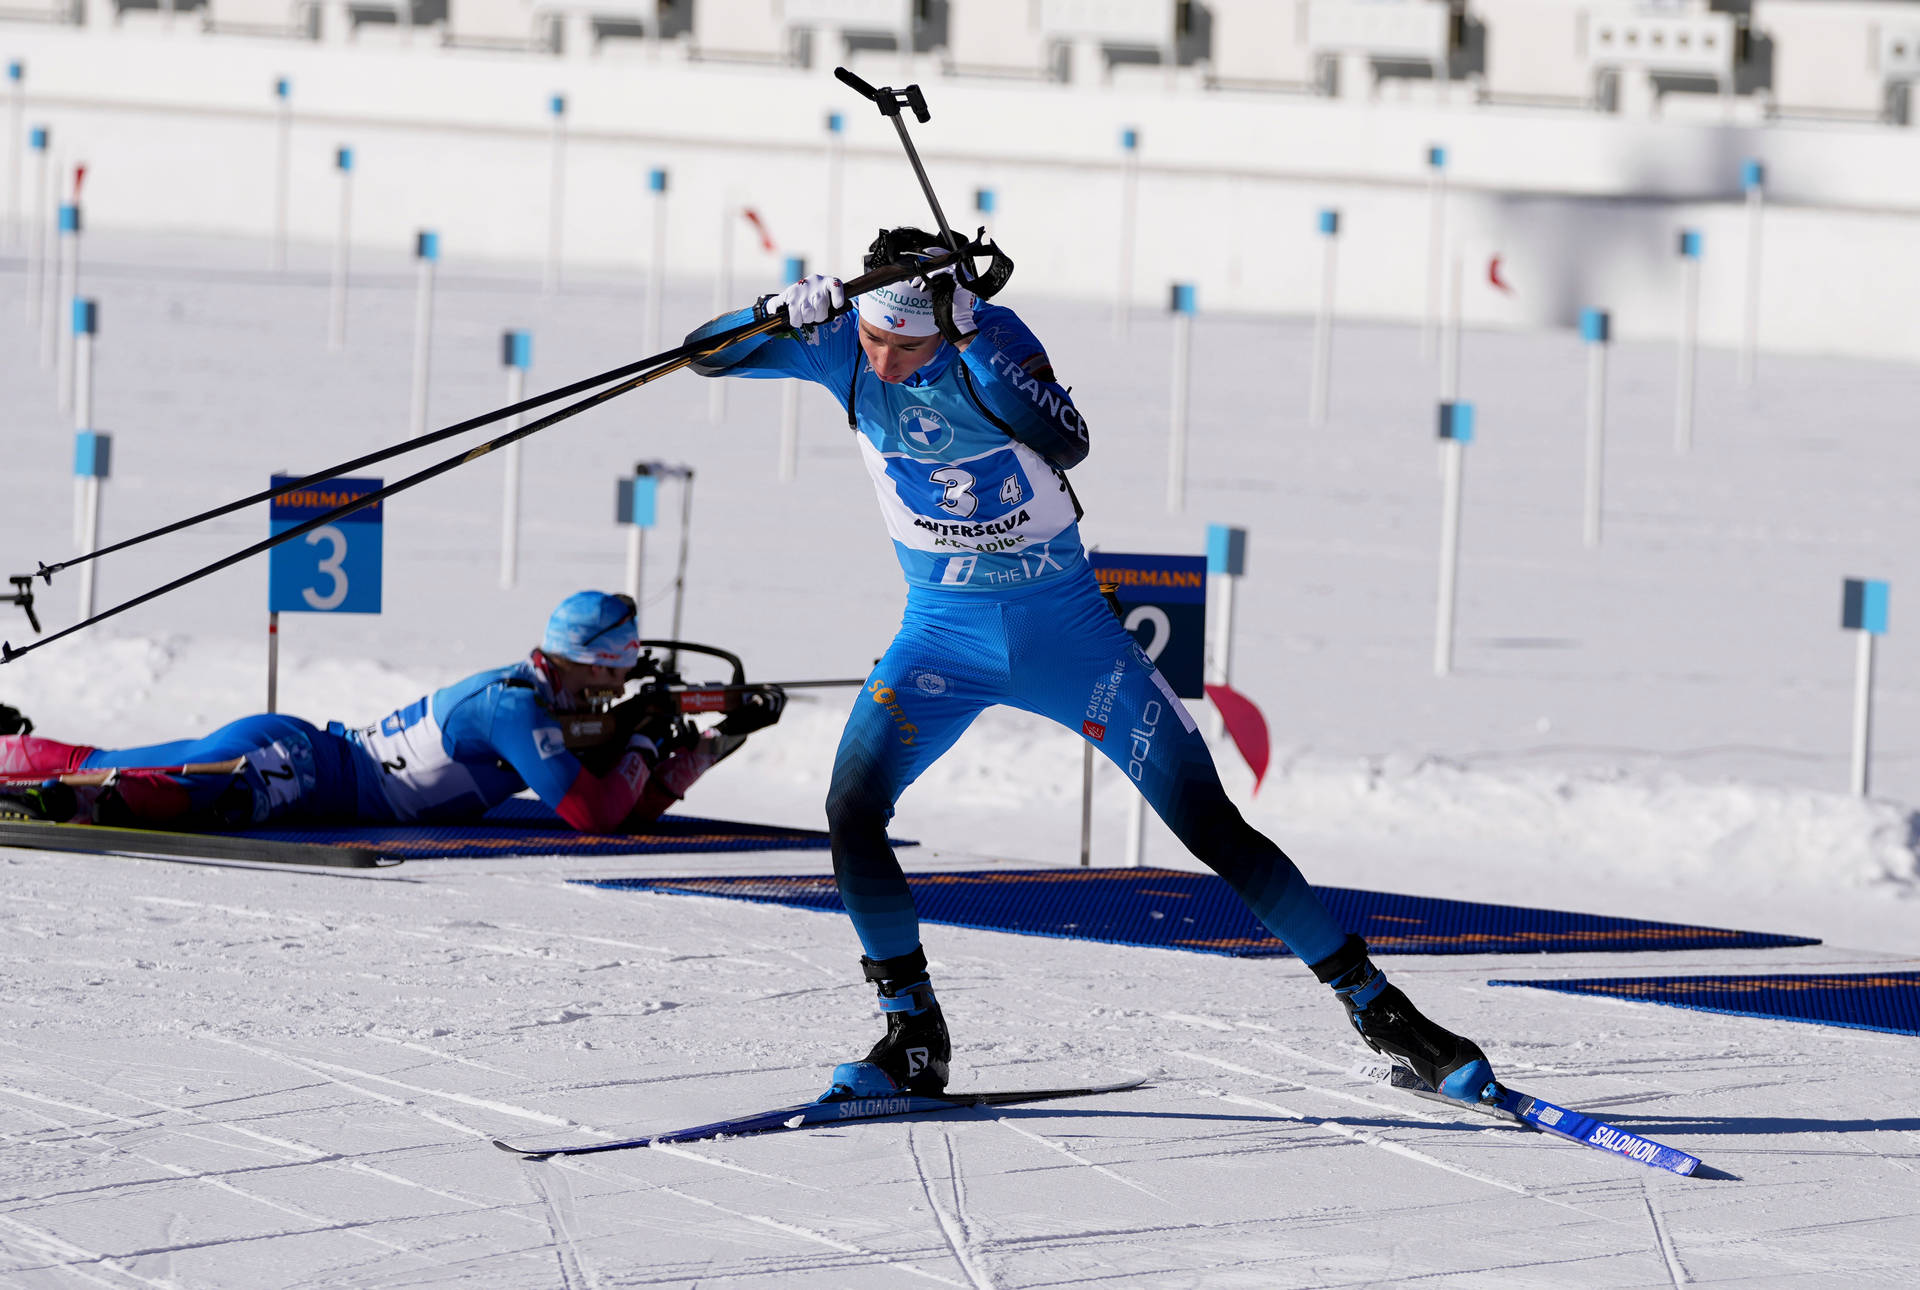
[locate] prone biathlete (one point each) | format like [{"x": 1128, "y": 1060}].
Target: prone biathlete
[
  {"x": 449, "y": 756},
  {"x": 968, "y": 435}
]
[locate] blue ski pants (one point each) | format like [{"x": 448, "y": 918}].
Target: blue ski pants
[
  {"x": 1056, "y": 649},
  {"x": 294, "y": 770}
]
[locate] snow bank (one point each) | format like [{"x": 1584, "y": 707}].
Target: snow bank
[{"x": 1659, "y": 822}]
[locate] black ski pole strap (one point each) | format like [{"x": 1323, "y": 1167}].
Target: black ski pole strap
[
  {"x": 941, "y": 287},
  {"x": 999, "y": 267}
]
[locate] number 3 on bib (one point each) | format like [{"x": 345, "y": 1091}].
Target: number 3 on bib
[{"x": 959, "y": 497}]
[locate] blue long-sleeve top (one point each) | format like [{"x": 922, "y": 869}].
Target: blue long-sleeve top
[{"x": 968, "y": 455}]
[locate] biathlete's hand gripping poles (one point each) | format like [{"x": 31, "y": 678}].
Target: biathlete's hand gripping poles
[{"x": 659, "y": 365}]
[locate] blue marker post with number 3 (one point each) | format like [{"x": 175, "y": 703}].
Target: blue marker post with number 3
[{"x": 333, "y": 570}]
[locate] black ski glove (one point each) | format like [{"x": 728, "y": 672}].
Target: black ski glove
[{"x": 759, "y": 709}]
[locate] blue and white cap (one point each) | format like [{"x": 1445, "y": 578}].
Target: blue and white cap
[
  {"x": 594, "y": 627},
  {"x": 907, "y": 307}
]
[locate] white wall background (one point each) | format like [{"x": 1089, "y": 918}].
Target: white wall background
[{"x": 178, "y": 135}]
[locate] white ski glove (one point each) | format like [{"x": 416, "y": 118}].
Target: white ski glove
[{"x": 813, "y": 300}]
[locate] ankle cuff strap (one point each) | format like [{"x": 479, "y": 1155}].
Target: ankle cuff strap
[
  {"x": 1350, "y": 955},
  {"x": 904, "y": 966}
]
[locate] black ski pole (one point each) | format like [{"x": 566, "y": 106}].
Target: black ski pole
[
  {"x": 46, "y": 571},
  {"x": 772, "y": 321},
  {"x": 686, "y": 354},
  {"x": 890, "y": 101}
]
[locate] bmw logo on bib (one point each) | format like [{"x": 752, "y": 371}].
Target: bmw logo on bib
[{"x": 925, "y": 429}]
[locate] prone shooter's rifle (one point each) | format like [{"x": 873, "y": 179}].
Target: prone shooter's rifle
[{"x": 665, "y": 703}]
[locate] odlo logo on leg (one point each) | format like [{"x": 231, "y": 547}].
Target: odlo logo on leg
[
  {"x": 1141, "y": 747},
  {"x": 882, "y": 693}
]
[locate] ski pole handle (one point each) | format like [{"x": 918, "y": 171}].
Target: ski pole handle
[{"x": 854, "y": 83}]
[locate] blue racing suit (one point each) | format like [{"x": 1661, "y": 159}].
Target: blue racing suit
[
  {"x": 451, "y": 755},
  {"x": 968, "y": 456}
]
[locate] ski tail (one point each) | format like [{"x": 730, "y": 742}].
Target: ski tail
[
  {"x": 203, "y": 848},
  {"x": 819, "y": 1112}
]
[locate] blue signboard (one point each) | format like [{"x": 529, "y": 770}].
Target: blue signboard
[
  {"x": 1163, "y": 602},
  {"x": 336, "y": 568}
]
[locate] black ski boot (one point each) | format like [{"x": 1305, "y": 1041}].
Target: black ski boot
[
  {"x": 52, "y": 801},
  {"x": 912, "y": 1057},
  {"x": 1393, "y": 1027}
]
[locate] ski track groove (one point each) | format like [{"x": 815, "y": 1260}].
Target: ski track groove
[
  {"x": 1369, "y": 1139},
  {"x": 299, "y": 1149},
  {"x": 790, "y": 1229},
  {"x": 1676, "y": 1270},
  {"x": 556, "y": 1195},
  {"x": 674, "y": 1149},
  {"x": 75, "y": 1254},
  {"x": 326, "y": 1069},
  {"x": 466, "y": 1130},
  {"x": 1414, "y": 1113},
  {"x": 446, "y": 1057},
  {"x": 175, "y": 1175},
  {"x": 1069, "y": 1153},
  {"x": 182, "y": 1174},
  {"x": 952, "y": 1229}
]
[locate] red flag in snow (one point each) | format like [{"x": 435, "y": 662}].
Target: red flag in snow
[
  {"x": 1247, "y": 727},
  {"x": 79, "y": 174}
]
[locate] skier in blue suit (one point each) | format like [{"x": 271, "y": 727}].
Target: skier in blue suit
[
  {"x": 449, "y": 756},
  {"x": 968, "y": 436}
]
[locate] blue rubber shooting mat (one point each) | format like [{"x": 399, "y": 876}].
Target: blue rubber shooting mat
[
  {"x": 1885, "y": 1001},
  {"x": 1177, "y": 910},
  {"x": 522, "y": 826}
]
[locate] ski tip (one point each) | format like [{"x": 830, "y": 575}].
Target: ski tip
[
  {"x": 1702, "y": 1169},
  {"x": 524, "y": 1154}
]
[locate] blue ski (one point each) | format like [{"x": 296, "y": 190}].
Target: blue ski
[
  {"x": 1544, "y": 1117},
  {"x": 823, "y": 1111}
]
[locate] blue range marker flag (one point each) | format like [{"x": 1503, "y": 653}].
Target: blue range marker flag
[
  {"x": 336, "y": 568},
  {"x": 1163, "y": 602}
]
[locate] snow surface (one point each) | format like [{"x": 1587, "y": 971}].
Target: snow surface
[{"x": 216, "y": 1076}]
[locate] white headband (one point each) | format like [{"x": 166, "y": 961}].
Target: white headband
[{"x": 902, "y": 307}]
